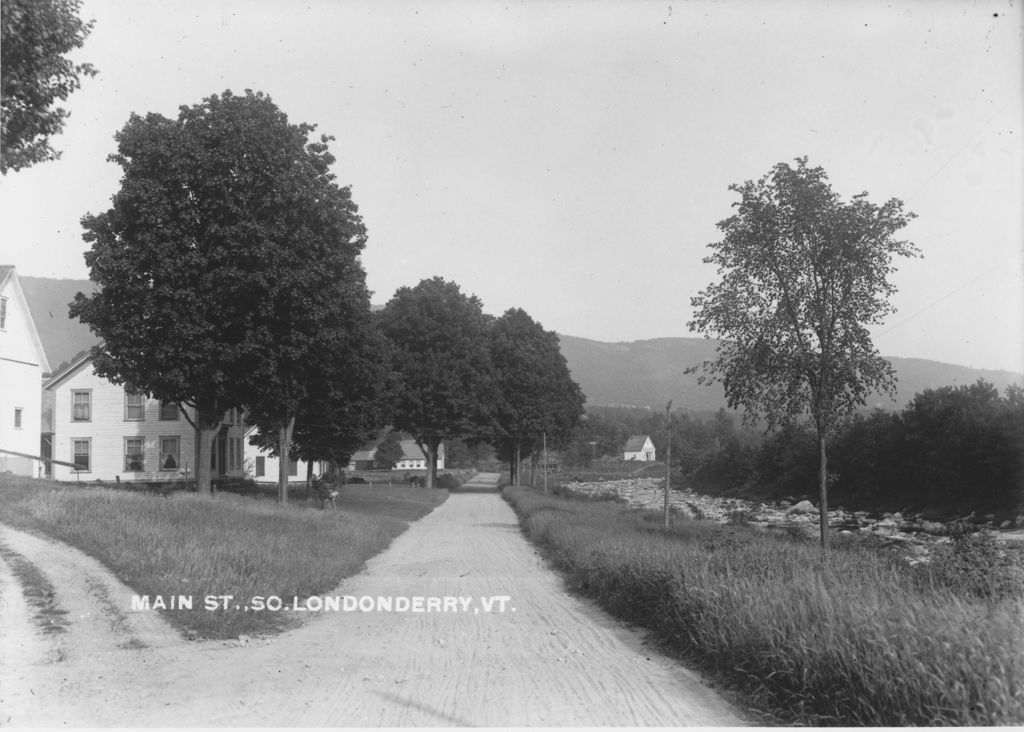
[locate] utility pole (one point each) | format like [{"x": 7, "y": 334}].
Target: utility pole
[
  {"x": 668, "y": 459},
  {"x": 545, "y": 461}
]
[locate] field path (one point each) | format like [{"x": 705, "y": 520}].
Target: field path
[{"x": 549, "y": 659}]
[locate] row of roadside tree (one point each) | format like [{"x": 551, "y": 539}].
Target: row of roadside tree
[{"x": 229, "y": 276}]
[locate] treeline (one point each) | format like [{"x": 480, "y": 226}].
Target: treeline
[
  {"x": 229, "y": 277},
  {"x": 960, "y": 449}
]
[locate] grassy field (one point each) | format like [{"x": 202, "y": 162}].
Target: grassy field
[
  {"x": 185, "y": 544},
  {"x": 863, "y": 641}
]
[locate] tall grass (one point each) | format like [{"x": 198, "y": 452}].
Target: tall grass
[
  {"x": 860, "y": 641},
  {"x": 186, "y": 544}
]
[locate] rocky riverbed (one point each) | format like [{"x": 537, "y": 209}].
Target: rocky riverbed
[{"x": 909, "y": 534}]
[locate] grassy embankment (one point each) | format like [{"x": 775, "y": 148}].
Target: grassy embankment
[
  {"x": 185, "y": 544},
  {"x": 863, "y": 641}
]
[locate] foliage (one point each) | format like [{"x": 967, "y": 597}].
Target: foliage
[
  {"x": 441, "y": 364},
  {"x": 977, "y": 564},
  {"x": 802, "y": 276},
  {"x": 535, "y": 391},
  {"x": 389, "y": 451},
  {"x": 866, "y": 645},
  {"x": 35, "y": 73},
  {"x": 228, "y": 265}
]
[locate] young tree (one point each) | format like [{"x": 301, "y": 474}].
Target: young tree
[
  {"x": 441, "y": 362},
  {"x": 34, "y": 73},
  {"x": 803, "y": 275},
  {"x": 228, "y": 257},
  {"x": 342, "y": 406},
  {"x": 535, "y": 391},
  {"x": 389, "y": 451}
]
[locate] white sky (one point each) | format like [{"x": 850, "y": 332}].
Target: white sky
[{"x": 572, "y": 159}]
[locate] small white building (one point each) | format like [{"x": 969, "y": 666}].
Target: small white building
[
  {"x": 109, "y": 432},
  {"x": 22, "y": 364},
  {"x": 639, "y": 447},
  {"x": 263, "y": 467},
  {"x": 412, "y": 457}
]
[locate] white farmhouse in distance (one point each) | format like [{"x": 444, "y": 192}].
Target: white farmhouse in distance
[
  {"x": 22, "y": 364},
  {"x": 639, "y": 447}
]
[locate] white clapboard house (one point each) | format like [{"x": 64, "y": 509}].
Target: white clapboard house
[
  {"x": 22, "y": 364},
  {"x": 263, "y": 467},
  {"x": 111, "y": 433},
  {"x": 639, "y": 447}
]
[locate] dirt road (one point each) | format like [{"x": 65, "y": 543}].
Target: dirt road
[{"x": 509, "y": 648}]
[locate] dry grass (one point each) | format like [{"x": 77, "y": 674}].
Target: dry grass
[
  {"x": 185, "y": 544},
  {"x": 863, "y": 641}
]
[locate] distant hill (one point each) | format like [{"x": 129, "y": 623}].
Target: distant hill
[
  {"x": 48, "y": 301},
  {"x": 641, "y": 373},
  {"x": 649, "y": 373}
]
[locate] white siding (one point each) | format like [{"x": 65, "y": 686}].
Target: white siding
[
  {"x": 108, "y": 428},
  {"x": 21, "y": 369},
  {"x": 646, "y": 453},
  {"x": 255, "y": 457}
]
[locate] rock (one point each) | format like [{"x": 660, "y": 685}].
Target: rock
[
  {"x": 932, "y": 527},
  {"x": 800, "y": 509},
  {"x": 785, "y": 504},
  {"x": 1019, "y": 522},
  {"x": 1006, "y": 525}
]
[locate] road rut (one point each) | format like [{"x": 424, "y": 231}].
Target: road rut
[{"x": 516, "y": 649}]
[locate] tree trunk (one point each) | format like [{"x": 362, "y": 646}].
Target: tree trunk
[
  {"x": 284, "y": 441},
  {"x": 823, "y": 489},
  {"x": 533, "y": 470},
  {"x": 205, "y": 437},
  {"x": 432, "y": 444},
  {"x": 519, "y": 463},
  {"x": 309, "y": 478}
]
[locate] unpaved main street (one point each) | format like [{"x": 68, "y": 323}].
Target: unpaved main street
[{"x": 548, "y": 659}]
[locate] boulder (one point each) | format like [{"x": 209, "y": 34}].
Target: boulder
[
  {"x": 800, "y": 509},
  {"x": 1006, "y": 525}
]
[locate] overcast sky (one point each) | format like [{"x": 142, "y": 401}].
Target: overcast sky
[{"x": 573, "y": 159}]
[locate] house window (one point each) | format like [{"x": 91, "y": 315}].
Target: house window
[
  {"x": 168, "y": 411},
  {"x": 293, "y": 467},
  {"x": 134, "y": 406},
  {"x": 170, "y": 453},
  {"x": 133, "y": 460},
  {"x": 261, "y": 466},
  {"x": 80, "y": 454},
  {"x": 3, "y": 313},
  {"x": 234, "y": 453},
  {"x": 17, "y": 418},
  {"x": 81, "y": 406}
]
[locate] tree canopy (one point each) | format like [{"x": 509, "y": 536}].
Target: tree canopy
[
  {"x": 803, "y": 274},
  {"x": 441, "y": 362},
  {"x": 228, "y": 263},
  {"x": 35, "y": 73},
  {"x": 535, "y": 393}
]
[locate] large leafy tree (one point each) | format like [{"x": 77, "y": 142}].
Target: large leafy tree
[
  {"x": 336, "y": 401},
  {"x": 803, "y": 274},
  {"x": 222, "y": 261},
  {"x": 440, "y": 358},
  {"x": 35, "y": 73},
  {"x": 536, "y": 396}
]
